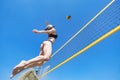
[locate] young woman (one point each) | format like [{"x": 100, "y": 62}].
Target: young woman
[{"x": 45, "y": 50}]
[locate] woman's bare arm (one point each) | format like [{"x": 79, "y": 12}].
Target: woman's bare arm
[{"x": 43, "y": 31}]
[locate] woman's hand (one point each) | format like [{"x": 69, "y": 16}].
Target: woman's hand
[{"x": 35, "y": 31}]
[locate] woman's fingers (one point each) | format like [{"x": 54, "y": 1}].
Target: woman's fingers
[{"x": 47, "y": 23}]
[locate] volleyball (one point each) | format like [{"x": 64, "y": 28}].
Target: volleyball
[{"x": 68, "y": 17}]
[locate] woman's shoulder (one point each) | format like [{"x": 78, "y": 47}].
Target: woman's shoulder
[{"x": 54, "y": 30}]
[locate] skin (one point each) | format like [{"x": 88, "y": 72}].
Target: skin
[{"x": 45, "y": 53}]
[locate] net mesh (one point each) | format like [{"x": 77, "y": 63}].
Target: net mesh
[{"x": 105, "y": 22}]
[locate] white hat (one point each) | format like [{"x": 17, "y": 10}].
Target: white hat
[{"x": 50, "y": 26}]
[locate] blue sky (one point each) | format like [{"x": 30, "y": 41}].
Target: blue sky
[{"x": 19, "y": 17}]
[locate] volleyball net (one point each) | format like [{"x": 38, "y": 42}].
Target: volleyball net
[{"x": 104, "y": 24}]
